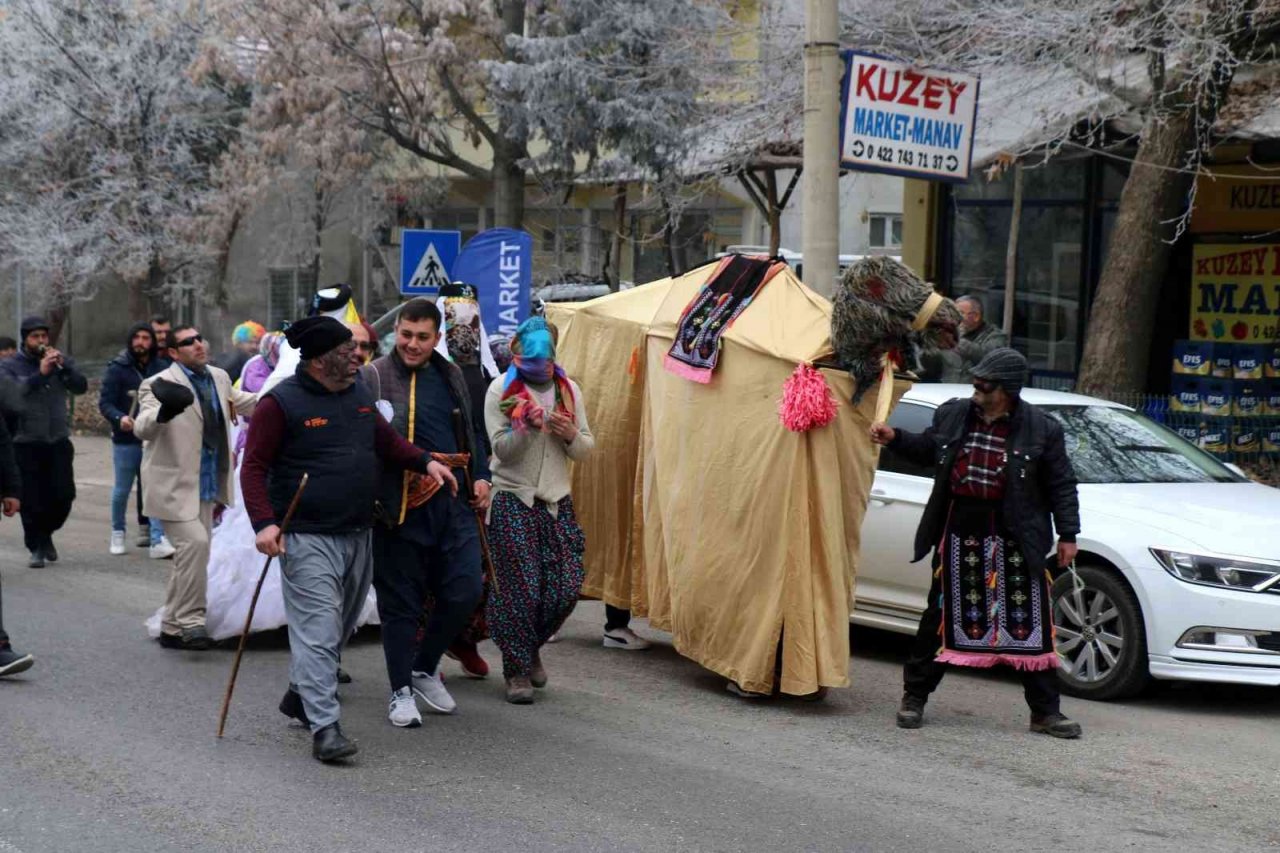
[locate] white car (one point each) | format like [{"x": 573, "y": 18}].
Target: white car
[{"x": 1178, "y": 575}]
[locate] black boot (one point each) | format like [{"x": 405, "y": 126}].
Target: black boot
[
  {"x": 291, "y": 706},
  {"x": 50, "y": 552},
  {"x": 910, "y": 712},
  {"x": 344, "y": 677},
  {"x": 1056, "y": 725},
  {"x": 329, "y": 744}
]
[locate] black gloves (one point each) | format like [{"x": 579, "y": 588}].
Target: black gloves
[{"x": 174, "y": 399}]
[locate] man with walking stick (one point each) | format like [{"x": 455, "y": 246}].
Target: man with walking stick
[{"x": 323, "y": 423}]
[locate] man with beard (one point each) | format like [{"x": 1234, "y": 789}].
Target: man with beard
[
  {"x": 118, "y": 404},
  {"x": 323, "y": 423},
  {"x": 42, "y": 442}
]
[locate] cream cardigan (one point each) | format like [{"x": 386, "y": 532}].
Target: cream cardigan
[{"x": 533, "y": 466}]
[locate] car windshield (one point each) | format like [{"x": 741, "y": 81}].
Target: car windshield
[{"x": 1118, "y": 446}]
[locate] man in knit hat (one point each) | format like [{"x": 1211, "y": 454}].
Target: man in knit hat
[
  {"x": 1003, "y": 483},
  {"x": 44, "y": 378},
  {"x": 322, "y": 422}
]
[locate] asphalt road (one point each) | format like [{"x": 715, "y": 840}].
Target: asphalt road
[{"x": 107, "y": 744}]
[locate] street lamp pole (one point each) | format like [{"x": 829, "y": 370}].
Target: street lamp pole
[{"x": 821, "y": 209}]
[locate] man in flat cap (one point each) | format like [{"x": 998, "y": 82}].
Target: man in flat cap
[
  {"x": 324, "y": 423},
  {"x": 185, "y": 413},
  {"x": 1003, "y": 484}
]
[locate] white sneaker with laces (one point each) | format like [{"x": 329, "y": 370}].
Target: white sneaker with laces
[
  {"x": 117, "y": 542},
  {"x": 625, "y": 639},
  {"x": 429, "y": 687},
  {"x": 163, "y": 549},
  {"x": 403, "y": 709}
]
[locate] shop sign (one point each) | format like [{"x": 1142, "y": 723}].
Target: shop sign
[
  {"x": 904, "y": 120},
  {"x": 1236, "y": 200},
  {"x": 1235, "y": 293}
]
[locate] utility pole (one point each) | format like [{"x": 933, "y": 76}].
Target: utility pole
[{"x": 821, "y": 210}]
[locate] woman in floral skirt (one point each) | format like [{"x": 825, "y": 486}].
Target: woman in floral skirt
[{"x": 537, "y": 423}]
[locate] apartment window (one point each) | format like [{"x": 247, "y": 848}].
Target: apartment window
[{"x": 886, "y": 230}]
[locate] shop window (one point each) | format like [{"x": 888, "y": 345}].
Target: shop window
[
  {"x": 465, "y": 221},
  {"x": 885, "y": 230},
  {"x": 1056, "y": 180}
]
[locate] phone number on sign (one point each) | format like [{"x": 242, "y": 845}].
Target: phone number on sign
[{"x": 891, "y": 156}]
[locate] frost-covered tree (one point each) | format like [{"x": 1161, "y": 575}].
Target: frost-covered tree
[
  {"x": 618, "y": 90},
  {"x": 434, "y": 77},
  {"x": 105, "y": 144},
  {"x": 1164, "y": 66}
]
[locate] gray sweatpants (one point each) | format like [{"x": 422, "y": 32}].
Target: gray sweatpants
[{"x": 325, "y": 581}]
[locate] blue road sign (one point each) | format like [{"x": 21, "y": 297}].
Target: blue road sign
[{"x": 426, "y": 260}]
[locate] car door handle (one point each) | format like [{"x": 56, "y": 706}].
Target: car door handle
[{"x": 879, "y": 498}]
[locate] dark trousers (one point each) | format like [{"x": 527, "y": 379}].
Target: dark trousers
[
  {"x": 616, "y": 617},
  {"x": 404, "y": 572},
  {"x": 4, "y": 638},
  {"x": 48, "y": 489},
  {"x": 922, "y": 673}
]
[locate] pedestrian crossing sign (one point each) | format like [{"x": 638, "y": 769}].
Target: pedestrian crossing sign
[{"x": 426, "y": 259}]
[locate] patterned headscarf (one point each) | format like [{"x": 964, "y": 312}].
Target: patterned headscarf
[
  {"x": 269, "y": 347},
  {"x": 535, "y": 363}
]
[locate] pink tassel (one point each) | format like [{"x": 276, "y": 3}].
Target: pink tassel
[{"x": 807, "y": 402}]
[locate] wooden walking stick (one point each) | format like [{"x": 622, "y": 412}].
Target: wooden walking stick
[
  {"x": 253, "y": 603},
  {"x": 460, "y": 437}
]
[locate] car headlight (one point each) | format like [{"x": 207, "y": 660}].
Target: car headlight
[{"x": 1227, "y": 572}]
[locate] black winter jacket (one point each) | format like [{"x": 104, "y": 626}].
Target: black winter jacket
[
  {"x": 1039, "y": 479},
  {"x": 125, "y": 374}
]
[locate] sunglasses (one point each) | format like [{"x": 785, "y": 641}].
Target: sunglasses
[
  {"x": 186, "y": 342},
  {"x": 985, "y": 387},
  {"x": 367, "y": 347}
]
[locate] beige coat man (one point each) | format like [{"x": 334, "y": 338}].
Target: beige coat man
[{"x": 171, "y": 470}]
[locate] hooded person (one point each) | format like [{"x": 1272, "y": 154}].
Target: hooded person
[
  {"x": 537, "y": 422},
  {"x": 332, "y": 302},
  {"x": 117, "y": 401},
  {"x": 465, "y": 341}
]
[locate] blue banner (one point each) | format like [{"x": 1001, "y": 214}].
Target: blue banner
[{"x": 499, "y": 264}]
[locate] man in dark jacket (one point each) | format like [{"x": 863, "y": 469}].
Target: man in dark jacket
[
  {"x": 322, "y": 422},
  {"x": 11, "y": 662},
  {"x": 1003, "y": 483},
  {"x": 42, "y": 443},
  {"x": 977, "y": 338},
  {"x": 117, "y": 402},
  {"x": 430, "y": 545}
]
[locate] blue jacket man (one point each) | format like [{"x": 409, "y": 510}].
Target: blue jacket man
[{"x": 138, "y": 360}]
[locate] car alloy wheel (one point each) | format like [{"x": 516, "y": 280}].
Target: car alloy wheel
[
  {"x": 1101, "y": 637},
  {"x": 1090, "y": 635}
]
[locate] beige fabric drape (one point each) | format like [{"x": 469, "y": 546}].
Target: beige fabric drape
[{"x": 700, "y": 510}]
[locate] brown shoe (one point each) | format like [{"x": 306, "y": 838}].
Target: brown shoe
[
  {"x": 538, "y": 674},
  {"x": 519, "y": 690}
]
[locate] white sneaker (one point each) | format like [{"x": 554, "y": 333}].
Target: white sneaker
[
  {"x": 163, "y": 549},
  {"x": 117, "y": 542},
  {"x": 403, "y": 709},
  {"x": 429, "y": 687},
  {"x": 625, "y": 639}
]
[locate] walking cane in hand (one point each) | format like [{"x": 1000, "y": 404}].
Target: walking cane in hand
[
  {"x": 460, "y": 436},
  {"x": 253, "y": 603}
]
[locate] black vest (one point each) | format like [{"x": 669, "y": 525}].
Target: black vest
[{"x": 329, "y": 436}]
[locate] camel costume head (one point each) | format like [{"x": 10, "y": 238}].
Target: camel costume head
[{"x": 881, "y": 308}]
